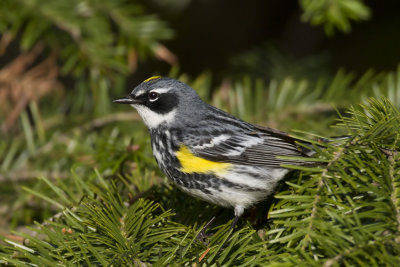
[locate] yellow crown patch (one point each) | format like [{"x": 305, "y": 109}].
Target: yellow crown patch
[{"x": 151, "y": 78}]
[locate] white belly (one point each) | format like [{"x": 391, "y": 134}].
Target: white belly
[{"x": 228, "y": 196}]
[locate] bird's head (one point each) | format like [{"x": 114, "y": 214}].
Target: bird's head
[{"x": 163, "y": 100}]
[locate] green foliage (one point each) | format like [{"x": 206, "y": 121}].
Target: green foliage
[
  {"x": 107, "y": 202},
  {"x": 51, "y": 144},
  {"x": 348, "y": 212},
  {"x": 334, "y": 14},
  {"x": 103, "y": 228},
  {"x": 96, "y": 42},
  {"x": 344, "y": 213},
  {"x": 274, "y": 102}
]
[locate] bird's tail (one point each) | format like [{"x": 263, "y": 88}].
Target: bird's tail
[{"x": 309, "y": 149}]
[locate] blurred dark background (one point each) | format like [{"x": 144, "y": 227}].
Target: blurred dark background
[
  {"x": 221, "y": 36},
  {"x": 210, "y": 35}
]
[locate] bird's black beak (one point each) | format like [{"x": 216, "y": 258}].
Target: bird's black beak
[{"x": 127, "y": 100}]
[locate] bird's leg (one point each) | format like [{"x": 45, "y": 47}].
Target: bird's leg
[
  {"x": 238, "y": 212},
  {"x": 235, "y": 220},
  {"x": 202, "y": 234}
]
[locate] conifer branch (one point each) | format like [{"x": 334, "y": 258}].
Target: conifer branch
[
  {"x": 395, "y": 182},
  {"x": 335, "y": 260},
  {"x": 317, "y": 197}
]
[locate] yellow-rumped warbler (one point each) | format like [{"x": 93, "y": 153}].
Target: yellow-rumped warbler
[{"x": 207, "y": 152}]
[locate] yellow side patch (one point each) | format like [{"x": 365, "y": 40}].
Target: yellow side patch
[
  {"x": 151, "y": 78},
  {"x": 190, "y": 163}
]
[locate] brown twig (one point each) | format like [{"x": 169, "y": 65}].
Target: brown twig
[{"x": 22, "y": 81}]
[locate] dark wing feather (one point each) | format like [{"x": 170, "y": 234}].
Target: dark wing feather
[{"x": 259, "y": 146}]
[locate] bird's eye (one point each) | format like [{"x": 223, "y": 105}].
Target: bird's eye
[{"x": 153, "y": 96}]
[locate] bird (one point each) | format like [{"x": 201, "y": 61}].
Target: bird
[{"x": 209, "y": 153}]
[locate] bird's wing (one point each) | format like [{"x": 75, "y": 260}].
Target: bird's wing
[{"x": 260, "y": 146}]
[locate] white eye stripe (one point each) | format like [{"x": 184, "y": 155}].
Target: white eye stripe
[
  {"x": 160, "y": 90},
  {"x": 157, "y": 92},
  {"x": 139, "y": 93}
]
